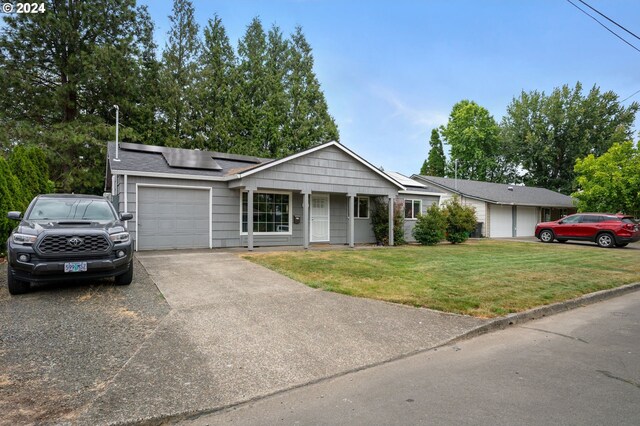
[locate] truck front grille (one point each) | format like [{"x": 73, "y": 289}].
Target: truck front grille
[{"x": 73, "y": 244}]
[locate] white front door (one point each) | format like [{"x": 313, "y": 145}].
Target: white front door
[{"x": 319, "y": 217}]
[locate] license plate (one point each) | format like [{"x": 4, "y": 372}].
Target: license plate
[{"x": 75, "y": 267}]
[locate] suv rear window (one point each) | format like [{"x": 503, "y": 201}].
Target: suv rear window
[
  {"x": 629, "y": 220},
  {"x": 71, "y": 209}
]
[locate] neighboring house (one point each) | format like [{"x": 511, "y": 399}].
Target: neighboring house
[
  {"x": 196, "y": 199},
  {"x": 504, "y": 210}
]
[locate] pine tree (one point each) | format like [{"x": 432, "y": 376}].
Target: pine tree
[
  {"x": 217, "y": 91},
  {"x": 435, "y": 164},
  {"x": 277, "y": 106},
  {"x": 179, "y": 73},
  {"x": 309, "y": 121}
]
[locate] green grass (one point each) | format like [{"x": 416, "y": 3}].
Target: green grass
[{"x": 482, "y": 278}]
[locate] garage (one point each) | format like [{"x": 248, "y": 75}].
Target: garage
[
  {"x": 500, "y": 221},
  {"x": 526, "y": 221},
  {"x": 173, "y": 217}
]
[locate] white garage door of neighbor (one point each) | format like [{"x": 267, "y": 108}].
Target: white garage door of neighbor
[
  {"x": 172, "y": 218},
  {"x": 500, "y": 221},
  {"x": 527, "y": 219}
]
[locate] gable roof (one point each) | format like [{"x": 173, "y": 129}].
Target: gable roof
[
  {"x": 500, "y": 193},
  {"x": 335, "y": 144}
]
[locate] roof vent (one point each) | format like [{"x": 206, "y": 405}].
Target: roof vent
[{"x": 510, "y": 188}]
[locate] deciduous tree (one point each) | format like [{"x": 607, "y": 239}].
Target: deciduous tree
[
  {"x": 610, "y": 182},
  {"x": 546, "y": 134}
]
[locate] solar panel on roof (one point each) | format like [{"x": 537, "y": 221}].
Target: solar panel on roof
[{"x": 191, "y": 160}]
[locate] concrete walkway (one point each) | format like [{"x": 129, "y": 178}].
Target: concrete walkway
[{"x": 237, "y": 331}]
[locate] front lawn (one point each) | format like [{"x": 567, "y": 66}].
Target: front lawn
[{"x": 483, "y": 278}]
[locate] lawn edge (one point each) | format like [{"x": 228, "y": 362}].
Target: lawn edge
[
  {"x": 500, "y": 323},
  {"x": 494, "y": 324}
]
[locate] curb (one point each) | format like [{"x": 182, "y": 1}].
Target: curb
[
  {"x": 500, "y": 323},
  {"x": 521, "y": 317}
]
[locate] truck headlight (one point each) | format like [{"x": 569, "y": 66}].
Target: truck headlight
[
  {"x": 23, "y": 239},
  {"x": 121, "y": 237}
]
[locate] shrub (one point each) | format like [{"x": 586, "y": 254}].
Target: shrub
[
  {"x": 461, "y": 221},
  {"x": 379, "y": 211},
  {"x": 430, "y": 228}
]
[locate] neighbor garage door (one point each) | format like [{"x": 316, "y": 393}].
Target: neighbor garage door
[
  {"x": 172, "y": 218},
  {"x": 500, "y": 221},
  {"x": 527, "y": 219}
]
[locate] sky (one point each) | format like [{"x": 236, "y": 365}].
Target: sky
[{"x": 391, "y": 71}]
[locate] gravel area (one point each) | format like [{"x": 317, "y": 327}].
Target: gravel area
[{"x": 62, "y": 344}]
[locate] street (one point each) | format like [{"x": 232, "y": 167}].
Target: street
[{"x": 575, "y": 368}]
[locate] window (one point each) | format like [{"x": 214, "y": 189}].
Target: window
[
  {"x": 270, "y": 212},
  {"x": 412, "y": 209},
  {"x": 361, "y": 207}
]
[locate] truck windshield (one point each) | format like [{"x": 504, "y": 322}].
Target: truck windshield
[{"x": 71, "y": 209}]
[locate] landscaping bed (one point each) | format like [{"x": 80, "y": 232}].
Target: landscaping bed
[{"x": 483, "y": 278}]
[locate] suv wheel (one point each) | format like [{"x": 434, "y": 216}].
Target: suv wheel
[
  {"x": 605, "y": 240},
  {"x": 16, "y": 286},
  {"x": 546, "y": 236},
  {"x": 126, "y": 278}
]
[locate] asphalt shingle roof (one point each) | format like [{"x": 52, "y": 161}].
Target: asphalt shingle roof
[
  {"x": 500, "y": 193},
  {"x": 155, "y": 159}
]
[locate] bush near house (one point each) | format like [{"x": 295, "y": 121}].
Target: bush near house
[
  {"x": 453, "y": 222},
  {"x": 461, "y": 221},
  {"x": 380, "y": 221},
  {"x": 430, "y": 227}
]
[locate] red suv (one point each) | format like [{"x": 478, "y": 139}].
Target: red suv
[{"x": 607, "y": 230}]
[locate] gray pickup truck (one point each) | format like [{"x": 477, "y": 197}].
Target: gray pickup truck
[{"x": 63, "y": 237}]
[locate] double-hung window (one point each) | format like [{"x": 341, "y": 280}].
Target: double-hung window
[
  {"x": 361, "y": 207},
  {"x": 412, "y": 209},
  {"x": 271, "y": 212}
]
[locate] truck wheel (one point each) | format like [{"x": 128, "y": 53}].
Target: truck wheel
[
  {"x": 126, "y": 278},
  {"x": 16, "y": 286}
]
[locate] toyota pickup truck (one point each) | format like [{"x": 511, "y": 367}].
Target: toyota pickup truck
[{"x": 68, "y": 237}]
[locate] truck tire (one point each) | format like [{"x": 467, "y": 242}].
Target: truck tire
[{"x": 16, "y": 286}]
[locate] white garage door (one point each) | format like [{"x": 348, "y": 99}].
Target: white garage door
[
  {"x": 172, "y": 218},
  {"x": 527, "y": 219},
  {"x": 500, "y": 221}
]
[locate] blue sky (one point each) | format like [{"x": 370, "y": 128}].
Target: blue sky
[{"x": 392, "y": 70}]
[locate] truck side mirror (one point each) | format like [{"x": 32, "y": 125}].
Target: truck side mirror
[
  {"x": 126, "y": 216},
  {"x": 14, "y": 215}
]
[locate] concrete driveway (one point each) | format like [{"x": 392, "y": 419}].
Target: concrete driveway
[{"x": 237, "y": 331}]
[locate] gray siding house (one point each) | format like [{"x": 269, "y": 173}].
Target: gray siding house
[
  {"x": 504, "y": 210},
  {"x": 196, "y": 199}
]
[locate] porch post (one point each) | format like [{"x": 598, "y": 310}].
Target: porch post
[
  {"x": 351, "y": 199},
  {"x": 305, "y": 220},
  {"x": 250, "y": 220},
  {"x": 391, "y": 201}
]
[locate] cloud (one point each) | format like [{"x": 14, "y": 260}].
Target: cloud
[{"x": 410, "y": 113}]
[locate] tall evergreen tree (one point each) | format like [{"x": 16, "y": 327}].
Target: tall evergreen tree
[
  {"x": 435, "y": 164},
  {"x": 62, "y": 71},
  {"x": 179, "y": 73},
  {"x": 277, "y": 106},
  {"x": 309, "y": 121},
  {"x": 253, "y": 80},
  {"x": 217, "y": 91}
]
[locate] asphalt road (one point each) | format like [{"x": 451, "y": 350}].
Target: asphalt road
[{"x": 580, "y": 367}]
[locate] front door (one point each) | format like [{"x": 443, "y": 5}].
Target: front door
[{"x": 319, "y": 217}]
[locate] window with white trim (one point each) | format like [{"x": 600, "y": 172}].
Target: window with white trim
[
  {"x": 361, "y": 207},
  {"x": 412, "y": 209},
  {"x": 271, "y": 212}
]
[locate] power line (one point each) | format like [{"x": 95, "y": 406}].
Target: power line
[
  {"x": 603, "y": 25},
  {"x": 630, "y": 96},
  {"x": 608, "y": 19}
]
